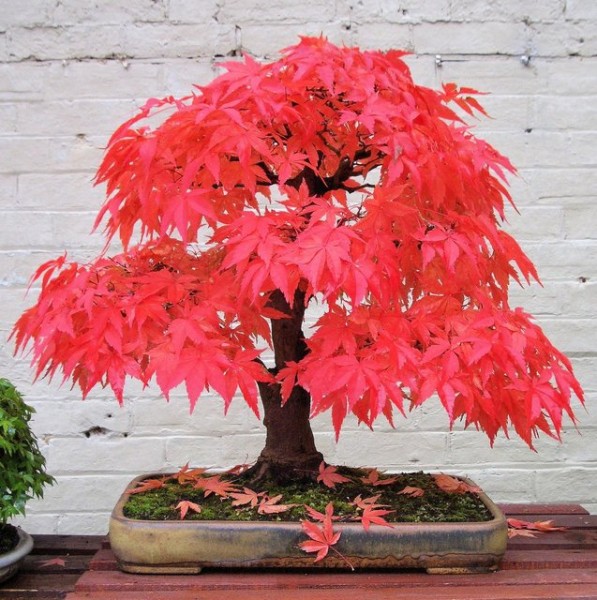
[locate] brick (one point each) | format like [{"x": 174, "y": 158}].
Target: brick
[
  {"x": 536, "y": 149},
  {"x": 393, "y": 450},
  {"x": 58, "y": 192},
  {"x": 575, "y": 446},
  {"x": 8, "y": 118},
  {"x": 66, "y": 43},
  {"x": 130, "y": 80},
  {"x": 392, "y": 36},
  {"x": 79, "y": 117},
  {"x": 472, "y": 448},
  {"x": 100, "y": 453},
  {"x": 508, "y": 10},
  {"x": 564, "y": 112},
  {"x": 493, "y": 74},
  {"x": 50, "y": 154},
  {"x": 111, "y": 12},
  {"x": 470, "y": 38},
  {"x": 75, "y": 417},
  {"x": 507, "y": 484},
  {"x": 178, "y": 40},
  {"x": 577, "y": 262},
  {"x": 571, "y": 77},
  {"x": 21, "y": 82},
  {"x": 277, "y": 11},
  {"x": 180, "y": 75},
  {"x": 568, "y": 38},
  {"x": 29, "y": 14},
  {"x": 190, "y": 11},
  {"x": 585, "y": 367},
  {"x": 214, "y": 453},
  {"x": 395, "y": 11},
  {"x": 579, "y": 220},
  {"x": 67, "y": 230},
  {"x": 570, "y": 335},
  {"x": 38, "y": 523},
  {"x": 537, "y": 222},
  {"x": 280, "y": 36},
  {"x": 552, "y": 483},
  {"x": 580, "y": 9},
  {"x": 155, "y": 416},
  {"x": 99, "y": 492},
  {"x": 556, "y": 298},
  {"x": 559, "y": 183}
]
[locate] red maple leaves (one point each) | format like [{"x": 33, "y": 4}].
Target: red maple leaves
[
  {"x": 519, "y": 528},
  {"x": 329, "y": 171}
]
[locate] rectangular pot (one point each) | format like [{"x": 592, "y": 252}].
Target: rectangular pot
[{"x": 177, "y": 547}]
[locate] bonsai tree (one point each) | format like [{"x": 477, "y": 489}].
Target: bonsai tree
[
  {"x": 23, "y": 475},
  {"x": 326, "y": 176}
]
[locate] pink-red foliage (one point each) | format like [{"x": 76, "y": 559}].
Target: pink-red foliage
[{"x": 327, "y": 171}]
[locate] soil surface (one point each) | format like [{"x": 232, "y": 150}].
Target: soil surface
[
  {"x": 9, "y": 537},
  {"x": 430, "y": 504}
]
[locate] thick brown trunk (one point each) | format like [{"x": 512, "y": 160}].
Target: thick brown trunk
[{"x": 289, "y": 452}]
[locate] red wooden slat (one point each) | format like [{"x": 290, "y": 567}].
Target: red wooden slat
[
  {"x": 569, "y": 521},
  {"x": 72, "y": 544},
  {"x": 103, "y": 560},
  {"x": 237, "y": 582},
  {"x": 543, "y": 509},
  {"x": 38, "y": 584},
  {"x": 527, "y": 592},
  {"x": 550, "y": 559},
  {"x": 55, "y": 563},
  {"x": 556, "y": 540}
]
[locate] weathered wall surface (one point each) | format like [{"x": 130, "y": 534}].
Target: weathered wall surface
[{"x": 72, "y": 70}]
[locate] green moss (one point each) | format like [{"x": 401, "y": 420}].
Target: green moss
[{"x": 434, "y": 506}]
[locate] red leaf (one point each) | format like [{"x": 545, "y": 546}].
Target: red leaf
[
  {"x": 322, "y": 538},
  {"x": 269, "y": 506},
  {"x": 185, "y": 505},
  {"x": 373, "y": 478},
  {"x": 248, "y": 496},
  {"x": 329, "y": 477},
  {"x": 186, "y": 475},
  {"x": 147, "y": 485},
  {"x": 215, "y": 485},
  {"x": 414, "y": 492},
  {"x": 374, "y": 515},
  {"x": 452, "y": 485},
  {"x": 540, "y": 526}
]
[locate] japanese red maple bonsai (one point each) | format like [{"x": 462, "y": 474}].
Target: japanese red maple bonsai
[{"x": 326, "y": 176}]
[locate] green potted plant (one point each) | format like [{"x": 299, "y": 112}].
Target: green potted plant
[
  {"x": 325, "y": 176},
  {"x": 22, "y": 476}
]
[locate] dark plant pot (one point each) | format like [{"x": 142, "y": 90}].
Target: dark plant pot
[
  {"x": 11, "y": 561},
  {"x": 173, "y": 547}
]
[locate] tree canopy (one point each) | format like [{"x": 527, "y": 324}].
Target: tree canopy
[{"x": 327, "y": 174}]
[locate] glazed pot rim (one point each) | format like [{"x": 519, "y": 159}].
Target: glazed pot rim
[{"x": 23, "y": 547}]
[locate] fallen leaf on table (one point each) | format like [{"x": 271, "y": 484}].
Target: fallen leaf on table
[
  {"x": 541, "y": 526},
  {"x": 58, "y": 562}
]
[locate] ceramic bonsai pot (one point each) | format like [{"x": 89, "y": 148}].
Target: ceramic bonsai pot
[
  {"x": 172, "y": 547},
  {"x": 11, "y": 561}
]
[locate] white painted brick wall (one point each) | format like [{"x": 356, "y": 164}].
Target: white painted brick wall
[{"x": 72, "y": 70}]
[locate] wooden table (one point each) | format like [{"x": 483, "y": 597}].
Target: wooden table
[{"x": 557, "y": 565}]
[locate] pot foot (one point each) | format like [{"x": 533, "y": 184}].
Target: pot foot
[
  {"x": 160, "y": 569},
  {"x": 460, "y": 570}
]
